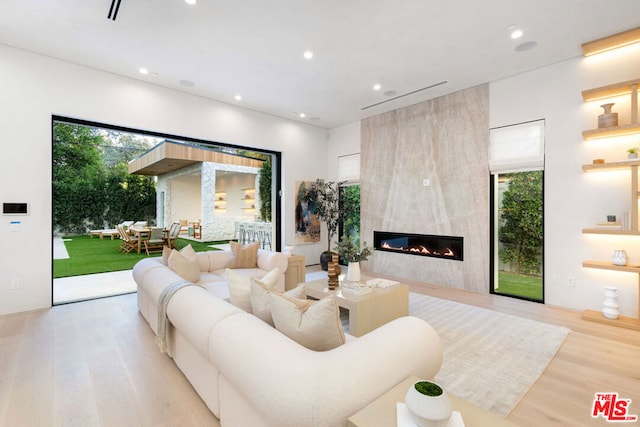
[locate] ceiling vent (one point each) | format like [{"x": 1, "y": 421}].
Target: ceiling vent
[{"x": 405, "y": 94}]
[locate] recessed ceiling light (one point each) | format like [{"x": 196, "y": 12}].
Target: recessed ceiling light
[
  {"x": 186, "y": 83},
  {"x": 516, "y": 34},
  {"x": 238, "y": 98},
  {"x": 377, "y": 87},
  {"x": 390, "y": 93},
  {"x": 191, "y": 2},
  {"x": 308, "y": 55},
  {"x": 143, "y": 71},
  {"x": 302, "y": 115}
]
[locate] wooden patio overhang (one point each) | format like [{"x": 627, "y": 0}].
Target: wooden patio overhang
[{"x": 168, "y": 156}]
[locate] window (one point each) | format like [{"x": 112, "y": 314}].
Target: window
[{"x": 516, "y": 162}]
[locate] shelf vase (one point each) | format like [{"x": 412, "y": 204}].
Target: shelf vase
[
  {"x": 610, "y": 305},
  {"x": 620, "y": 257},
  {"x": 608, "y": 119}
]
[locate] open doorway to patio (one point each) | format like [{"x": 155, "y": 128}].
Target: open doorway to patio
[{"x": 104, "y": 176}]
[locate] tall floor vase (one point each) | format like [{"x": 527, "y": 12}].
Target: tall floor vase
[{"x": 610, "y": 305}]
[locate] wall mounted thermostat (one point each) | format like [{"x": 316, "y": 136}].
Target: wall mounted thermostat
[{"x": 15, "y": 209}]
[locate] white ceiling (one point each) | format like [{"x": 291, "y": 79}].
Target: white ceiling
[{"x": 255, "y": 47}]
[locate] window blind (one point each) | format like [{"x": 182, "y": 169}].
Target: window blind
[
  {"x": 349, "y": 167},
  {"x": 517, "y": 148}
]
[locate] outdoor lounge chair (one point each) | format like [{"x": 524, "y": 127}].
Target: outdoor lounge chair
[
  {"x": 101, "y": 233},
  {"x": 155, "y": 242},
  {"x": 128, "y": 243}
]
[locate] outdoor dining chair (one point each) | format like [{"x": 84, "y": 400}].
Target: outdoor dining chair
[
  {"x": 155, "y": 242},
  {"x": 128, "y": 243},
  {"x": 174, "y": 232}
]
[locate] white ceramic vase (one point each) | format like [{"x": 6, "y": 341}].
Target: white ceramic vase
[
  {"x": 620, "y": 257},
  {"x": 353, "y": 271},
  {"x": 428, "y": 411},
  {"x": 610, "y": 306}
]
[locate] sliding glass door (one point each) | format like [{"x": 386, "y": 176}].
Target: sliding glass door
[{"x": 105, "y": 176}]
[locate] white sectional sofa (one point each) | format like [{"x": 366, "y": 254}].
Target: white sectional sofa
[{"x": 250, "y": 374}]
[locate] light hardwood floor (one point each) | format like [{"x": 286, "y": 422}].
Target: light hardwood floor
[{"x": 95, "y": 363}]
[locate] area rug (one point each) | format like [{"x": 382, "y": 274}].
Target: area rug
[{"x": 490, "y": 359}]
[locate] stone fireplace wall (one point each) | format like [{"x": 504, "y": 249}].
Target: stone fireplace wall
[{"x": 445, "y": 141}]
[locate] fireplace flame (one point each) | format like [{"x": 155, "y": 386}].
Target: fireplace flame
[{"x": 419, "y": 249}]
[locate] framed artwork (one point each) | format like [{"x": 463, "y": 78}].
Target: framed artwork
[{"x": 307, "y": 222}]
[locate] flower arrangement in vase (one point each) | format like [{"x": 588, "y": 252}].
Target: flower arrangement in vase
[{"x": 352, "y": 254}]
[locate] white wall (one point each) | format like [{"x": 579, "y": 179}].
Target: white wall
[
  {"x": 573, "y": 199},
  {"x": 185, "y": 198},
  {"x": 33, "y": 87},
  {"x": 343, "y": 141}
]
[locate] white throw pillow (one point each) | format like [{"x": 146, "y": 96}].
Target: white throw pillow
[
  {"x": 240, "y": 287},
  {"x": 185, "y": 263},
  {"x": 313, "y": 324},
  {"x": 260, "y": 298}
]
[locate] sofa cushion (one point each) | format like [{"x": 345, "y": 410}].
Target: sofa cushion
[
  {"x": 243, "y": 256},
  {"x": 260, "y": 298},
  {"x": 313, "y": 324},
  {"x": 240, "y": 287},
  {"x": 218, "y": 260},
  {"x": 185, "y": 264}
]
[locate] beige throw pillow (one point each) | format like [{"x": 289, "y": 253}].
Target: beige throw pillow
[
  {"x": 243, "y": 256},
  {"x": 240, "y": 287},
  {"x": 185, "y": 263},
  {"x": 260, "y": 298},
  {"x": 166, "y": 252},
  {"x": 313, "y": 324}
]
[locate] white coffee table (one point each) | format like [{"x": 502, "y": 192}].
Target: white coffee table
[{"x": 366, "y": 312}]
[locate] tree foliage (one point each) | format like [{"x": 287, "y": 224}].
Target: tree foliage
[
  {"x": 91, "y": 184},
  {"x": 325, "y": 196},
  {"x": 520, "y": 224},
  {"x": 264, "y": 191},
  {"x": 350, "y": 207}
]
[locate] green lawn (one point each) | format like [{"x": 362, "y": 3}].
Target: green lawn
[
  {"x": 520, "y": 285},
  {"x": 89, "y": 256}
]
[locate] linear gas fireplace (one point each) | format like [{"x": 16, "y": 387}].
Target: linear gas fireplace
[{"x": 448, "y": 247}]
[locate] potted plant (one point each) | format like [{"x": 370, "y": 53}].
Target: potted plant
[
  {"x": 632, "y": 152},
  {"x": 428, "y": 404},
  {"x": 325, "y": 195},
  {"x": 352, "y": 254}
]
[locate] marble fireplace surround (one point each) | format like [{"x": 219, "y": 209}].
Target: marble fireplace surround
[{"x": 444, "y": 141}]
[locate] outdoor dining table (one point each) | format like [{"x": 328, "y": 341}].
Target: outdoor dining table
[{"x": 140, "y": 232}]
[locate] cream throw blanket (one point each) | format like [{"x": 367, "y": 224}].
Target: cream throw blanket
[{"x": 163, "y": 302}]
